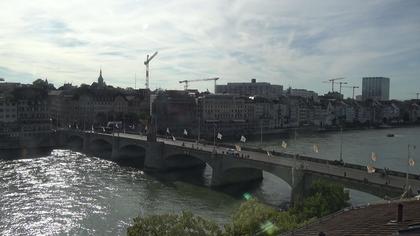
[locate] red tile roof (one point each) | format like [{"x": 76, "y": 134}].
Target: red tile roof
[{"x": 377, "y": 219}]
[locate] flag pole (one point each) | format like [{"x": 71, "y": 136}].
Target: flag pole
[{"x": 408, "y": 164}]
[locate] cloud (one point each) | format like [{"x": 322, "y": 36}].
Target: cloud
[{"x": 296, "y": 43}]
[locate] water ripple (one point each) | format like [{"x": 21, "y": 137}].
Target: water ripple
[{"x": 69, "y": 193}]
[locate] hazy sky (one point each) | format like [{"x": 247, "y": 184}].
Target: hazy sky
[{"x": 293, "y": 43}]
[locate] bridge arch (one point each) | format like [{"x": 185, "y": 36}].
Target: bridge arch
[
  {"x": 195, "y": 170},
  {"x": 184, "y": 160},
  {"x": 131, "y": 155},
  {"x": 101, "y": 148},
  {"x": 74, "y": 142}
]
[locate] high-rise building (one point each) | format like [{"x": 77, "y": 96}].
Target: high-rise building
[{"x": 376, "y": 88}]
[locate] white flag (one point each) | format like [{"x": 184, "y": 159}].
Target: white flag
[
  {"x": 371, "y": 169},
  {"x": 167, "y": 131},
  {"x": 268, "y": 154},
  {"x": 373, "y": 156},
  {"x": 243, "y": 139},
  {"x": 173, "y": 138},
  {"x": 92, "y": 129},
  {"x": 185, "y": 132},
  {"x": 103, "y": 129},
  {"x": 316, "y": 148},
  {"x": 238, "y": 148},
  {"x": 116, "y": 126},
  {"x": 284, "y": 144},
  {"x": 411, "y": 162},
  {"x": 219, "y": 136},
  {"x": 77, "y": 126}
]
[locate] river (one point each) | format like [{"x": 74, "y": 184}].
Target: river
[{"x": 68, "y": 193}]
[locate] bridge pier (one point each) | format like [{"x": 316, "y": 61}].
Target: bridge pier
[
  {"x": 86, "y": 142},
  {"x": 115, "y": 148},
  {"x": 300, "y": 186},
  {"x": 154, "y": 156}
]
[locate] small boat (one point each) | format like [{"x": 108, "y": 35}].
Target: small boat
[{"x": 390, "y": 135}]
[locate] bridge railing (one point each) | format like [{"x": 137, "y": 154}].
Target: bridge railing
[{"x": 297, "y": 156}]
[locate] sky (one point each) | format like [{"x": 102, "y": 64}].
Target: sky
[{"x": 291, "y": 43}]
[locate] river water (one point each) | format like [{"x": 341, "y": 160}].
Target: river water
[{"x": 68, "y": 193}]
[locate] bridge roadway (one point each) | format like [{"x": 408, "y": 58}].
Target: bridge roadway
[
  {"x": 325, "y": 169},
  {"x": 353, "y": 176}
]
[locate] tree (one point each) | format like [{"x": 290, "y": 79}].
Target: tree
[
  {"x": 254, "y": 218},
  {"x": 184, "y": 224},
  {"x": 43, "y": 84},
  {"x": 323, "y": 198},
  {"x": 251, "y": 218}
]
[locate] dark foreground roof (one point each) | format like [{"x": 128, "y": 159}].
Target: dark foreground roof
[{"x": 380, "y": 219}]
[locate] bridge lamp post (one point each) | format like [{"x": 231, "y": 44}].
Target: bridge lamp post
[
  {"x": 198, "y": 113},
  {"x": 260, "y": 132},
  {"x": 409, "y": 147},
  {"x": 341, "y": 144},
  {"x": 214, "y": 136}
]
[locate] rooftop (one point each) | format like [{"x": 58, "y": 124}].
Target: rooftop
[{"x": 379, "y": 219}]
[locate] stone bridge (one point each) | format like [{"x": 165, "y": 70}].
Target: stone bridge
[{"x": 229, "y": 169}]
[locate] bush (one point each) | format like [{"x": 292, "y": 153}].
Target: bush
[
  {"x": 322, "y": 199},
  {"x": 254, "y": 218},
  {"x": 184, "y": 224},
  {"x": 251, "y": 218}
]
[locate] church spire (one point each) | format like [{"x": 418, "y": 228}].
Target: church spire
[{"x": 101, "y": 82}]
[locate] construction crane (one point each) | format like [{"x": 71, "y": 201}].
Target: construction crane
[
  {"x": 341, "y": 83},
  {"x": 332, "y": 81},
  {"x": 352, "y": 87},
  {"x": 196, "y": 80},
  {"x": 146, "y": 63}
]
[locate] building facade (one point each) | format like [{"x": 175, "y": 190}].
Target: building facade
[
  {"x": 376, "y": 88},
  {"x": 8, "y": 110},
  {"x": 251, "y": 89},
  {"x": 308, "y": 94}
]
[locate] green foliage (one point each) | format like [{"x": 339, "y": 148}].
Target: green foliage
[
  {"x": 254, "y": 218},
  {"x": 185, "y": 224},
  {"x": 42, "y": 84},
  {"x": 322, "y": 199},
  {"x": 251, "y": 218}
]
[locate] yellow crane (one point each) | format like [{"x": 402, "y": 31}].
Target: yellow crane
[{"x": 197, "y": 80}]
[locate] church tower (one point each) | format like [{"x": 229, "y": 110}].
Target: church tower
[{"x": 101, "y": 82}]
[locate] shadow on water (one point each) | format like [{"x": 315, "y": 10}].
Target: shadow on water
[
  {"x": 237, "y": 190},
  {"x": 129, "y": 161},
  {"x": 24, "y": 153},
  {"x": 194, "y": 176}
]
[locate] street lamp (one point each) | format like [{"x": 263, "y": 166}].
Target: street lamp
[
  {"x": 261, "y": 132},
  {"x": 214, "y": 136},
  {"x": 409, "y": 148},
  {"x": 341, "y": 144}
]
